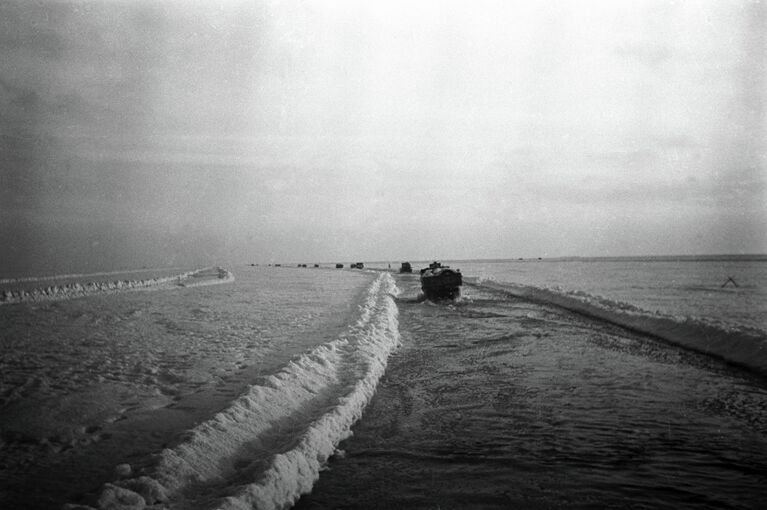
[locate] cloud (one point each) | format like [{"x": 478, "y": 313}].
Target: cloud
[
  {"x": 24, "y": 27},
  {"x": 651, "y": 55},
  {"x": 268, "y": 126}
]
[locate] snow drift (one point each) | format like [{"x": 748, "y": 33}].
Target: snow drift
[
  {"x": 268, "y": 447},
  {"x": 199, "y": 277},
  {"x": 736, "y": 344}
]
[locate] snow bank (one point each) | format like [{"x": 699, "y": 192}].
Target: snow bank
[
  {"x": 269, "y": 446},
  {"x": 22, "y": 279},
  {"x": 200, "y": 277},
  {"x": 741, "y": 345}
]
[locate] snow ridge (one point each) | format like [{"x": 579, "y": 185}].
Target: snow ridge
[
  {"x": 196, "y": 278},
  {"x": 21, "y": 279},
  {"x": 741, "y": 345},
  {"x": 268, "y": 447}
]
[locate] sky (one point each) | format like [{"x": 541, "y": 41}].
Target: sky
[{"x": 147, "y": 134}]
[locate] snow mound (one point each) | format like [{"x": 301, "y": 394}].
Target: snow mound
[
  {"x": 197, "y": 278},
  {"x": 268, "y": 447}
]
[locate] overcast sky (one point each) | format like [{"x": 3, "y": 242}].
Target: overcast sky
[{"x": 153, "y": 133}]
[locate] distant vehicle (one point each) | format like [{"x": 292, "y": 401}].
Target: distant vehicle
[
  {"x": 441, "y": 282},
  {"x": 357, "y": 265},
  {"x": 316, "y": 265},
  {"x": 406, "y": 268},
  {"x": 339, "y": 266}
]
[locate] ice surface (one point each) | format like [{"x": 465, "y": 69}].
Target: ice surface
[
  {"x": 678, "y": 288},
  {"x": 274, "y": 439},
  {"x": 311, "y": 345},
  {"x": 746, "y": 346},
  {"x": 85, "y": 379}
]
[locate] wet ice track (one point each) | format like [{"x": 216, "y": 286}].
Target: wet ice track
[{"x": 495, "y": 402}]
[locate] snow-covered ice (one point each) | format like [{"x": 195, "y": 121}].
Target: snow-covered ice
[{"x": 203, "y": 373}]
